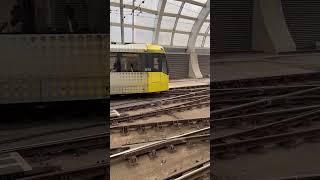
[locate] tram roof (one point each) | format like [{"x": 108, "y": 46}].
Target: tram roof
[{"x": 137, "y": 48}]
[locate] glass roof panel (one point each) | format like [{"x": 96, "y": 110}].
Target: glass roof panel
[
  {"x": 199, "y": 41},
  {"x": 172, "y": 6},
  {"x": 191, "y": 10},
  {"x": 153, "y": 4},
  {"x": 147, "y": 20},
  {"x": 142, "y": 36},
  {"x": 144, "y": 19},
  {"x": 127, "y": 2},
  {"x": 180, "y": 39},
  {"x": 167, "y": 22},
  {"x": 184, "y": 25},
  {"x": 128, "y": 35},
  {"x": 127, "y": 15},
  {"x": 204, "y": 27},
  {"x": 115, "y": 14},
  {"x": 115, "y": 34},
  {"x": 165, "y": 38}
]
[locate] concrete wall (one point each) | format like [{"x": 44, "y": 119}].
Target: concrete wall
[{"x": 194, "y": 69}]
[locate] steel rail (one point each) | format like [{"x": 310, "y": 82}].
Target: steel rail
[
  {"x": 293, "y": 99},
  {"x": 232, "y": 93},
  {"x": 30, "y": 150},
  {"x": 306, "y": 78},
  {"x": 191, "y": 87},
  {"x": 181, "y": 98},
  {"x": 128, "y": 146},
  {"x": 160, "y": 124},
  {"x": 151, "y": 145},
  {"x": 195, "y": 173},
  {"x": 263, "y": 88},
  {"x": 262, "y": 102},
  {"x": 163, "y": 144},
  {"x": 262, "y": 116},
  {"x": 238, "y": 146},
  {"x": 52, "y": 132},
  {"x": 185, "y": 106},
  {"x": 190, "y": 169},
  {"x": 271, "y": 127}
]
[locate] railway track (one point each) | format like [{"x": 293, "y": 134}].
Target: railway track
[
  {"x": 231, "y": 149},
  {"x": 286, "y": 131},
  {"x": 129, "y": 146},
  {"x": 173, "y": 93},
  {"x": 151, "y": 149},
  {"x": 274, "y": 127},
  {"x": 199, "y": 103},
  {"x": 277, "y": 111},
  {"x": 195, "y": 172},
  {"x": 257, "y": 92},
  {"x": 261, "y": 104},
  {"x": 125, "y": 129},
  {"x": 176, "y": 99},
  {"x": 115, "y": 150},
  {"x": 59, "y": 146},
  {"x": 259, "y": 118},
  {"x": 53, "y": 132},
  {"x": 169, "y": 100},
  {"x": 290, "y": 96},
  {"x": 170, "y": 142},
  {"x": 52, "y": 150},
  {"x": 296, "y": 79},
  {"x": 191, "y": 88}
]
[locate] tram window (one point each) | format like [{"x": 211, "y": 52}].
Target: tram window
[
  {"x": 153, "y": 63},
  {"x": 114, "y": 64},
  {"x": 156, "y": 64},
  {"x": 131, "y": 62},
  {"x": 164, "y": 65}
]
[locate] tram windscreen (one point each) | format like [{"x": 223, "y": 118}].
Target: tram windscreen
[{"x": 138, "y": 62}]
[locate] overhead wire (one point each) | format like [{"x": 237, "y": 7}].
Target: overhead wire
[{"x": 154, "y": 18}]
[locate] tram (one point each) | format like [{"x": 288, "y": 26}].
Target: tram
[{"x": 138, "y": 68}]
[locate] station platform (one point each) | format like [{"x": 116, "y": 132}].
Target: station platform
[
  {"x": 258, "y": 66},
  {"x": 188, "y": 82}
]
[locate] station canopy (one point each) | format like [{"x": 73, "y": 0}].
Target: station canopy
[{"x": 171, "y": 23}]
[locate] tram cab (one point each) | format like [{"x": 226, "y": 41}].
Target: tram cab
[{"x": 138, "y": 68}]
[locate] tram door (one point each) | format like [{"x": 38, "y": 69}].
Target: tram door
[{"x": 156, "y": 81}]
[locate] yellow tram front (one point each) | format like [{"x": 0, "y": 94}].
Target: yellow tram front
[{"x": 138, "y": 68}]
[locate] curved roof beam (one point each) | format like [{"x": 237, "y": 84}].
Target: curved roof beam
[
  {"x": 161, "y": 6},
  {"x": 205, "y": 36},
  {"x": 197, "y": 26}
]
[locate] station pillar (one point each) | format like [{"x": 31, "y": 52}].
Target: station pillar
[
  {"x": 194, "y": 69},
  {"x": 270, "y": 31}
]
